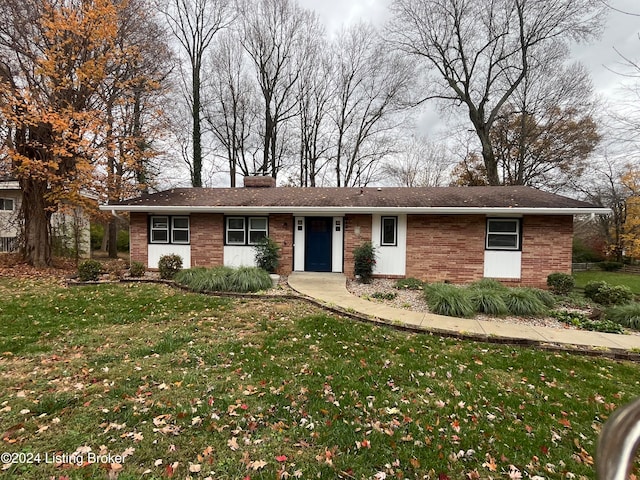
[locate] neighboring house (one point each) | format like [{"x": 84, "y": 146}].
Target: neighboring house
[
  {"x": 69, "y": 230},
  {"x": 456, "y": 234}
]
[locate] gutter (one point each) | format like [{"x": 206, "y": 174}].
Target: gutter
[{"x": 302, "y": 210}]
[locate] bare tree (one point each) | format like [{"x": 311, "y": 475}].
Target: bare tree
[
  {"x": 315, "y": 94},
  {"x": 273, "y": 34},
  {"x": 419, "y": 164},
  {"x": 371, "y": 87},
  {"x": 479, "y": 53},
  {"x": 231, "y": 109},
  {"x": 194, "y": 24}
]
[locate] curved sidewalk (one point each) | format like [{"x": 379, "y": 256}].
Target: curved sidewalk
[{"x": 330, "y": 290}]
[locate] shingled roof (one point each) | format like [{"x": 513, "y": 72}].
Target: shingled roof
[{"x": 351, "y": 200}]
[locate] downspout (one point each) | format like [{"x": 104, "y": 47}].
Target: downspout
[{"x": 619, "y": 440}]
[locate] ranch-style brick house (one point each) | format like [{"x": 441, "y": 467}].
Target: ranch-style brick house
[{"x": 518, "y": 235}]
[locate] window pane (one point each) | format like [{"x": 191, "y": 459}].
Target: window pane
[
  {"x": 256, "y": 235},
  {"x": 159, "y": 222},
  {"x": 235, "y": 223},
  {"x": 235, "y": 236},
  {"x": 388, "y": 231},
  {"x": 160, "y": 236},
  {"x": 257, "y": 223},
  {"x": 181, "y": 222},
  {"x": 8, "y": 204},
  {"x": 181, "y": 236},
  {"x": 502, "y": 241},
  {"x": 507, "y": 226}
]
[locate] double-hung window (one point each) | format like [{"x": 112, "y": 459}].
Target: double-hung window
[
  {"x": 503, "y": 234},
  {"x": 166, "y": 229},
  {"x": 389, "y": 231},
  {"x": 245, "y": 230}
]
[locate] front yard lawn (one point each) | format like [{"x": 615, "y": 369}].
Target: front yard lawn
[
  {"x": 166, "y": 384},
  {"x": 613, "y": 278}
]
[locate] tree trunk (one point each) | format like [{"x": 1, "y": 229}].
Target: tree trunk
[
  {"x": 113, "y": 238},
  {"x": 196, "y": 180},
  {"x": 490, "y": 162},
  {"x": 37, "y": 223}
]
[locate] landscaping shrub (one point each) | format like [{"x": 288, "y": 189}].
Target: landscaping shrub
[
  {"x": 89, "y": 270},
  {"x": 610, "y": 266},
  {"x": 561, "y": 283},
  {"x": 169, "y": 266},
  {"x": 409, "y": 284},
  {"x": 580, "y": 320},
  {"x": 384, "y": 295},
  {"x": 625, "y": 315},
  {"x": 249, "y": 279},
  {"x": 364, "y": 258},
  {"x": 605, "y": 294},
  {"x": 267, "y": 254},
  {"x": 137, "y": 269},
  {"x": 524, "y": 302},
  {"x": 488, "y": 300},
  {"x": 445, "y": 299}
]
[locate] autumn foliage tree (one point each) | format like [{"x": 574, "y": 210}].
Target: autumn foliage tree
[{"x": 56, "y": 60}]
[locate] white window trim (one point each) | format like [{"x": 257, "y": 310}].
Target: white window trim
[
  {"x": 180, "y": 229},
  {"x": 152, "y": 229},
  {"x": 243, "y": 230},
  {"x": 249, "y": 229},
  {"x": 395, "y": 231},
  {"x": 516, "y": 233}
]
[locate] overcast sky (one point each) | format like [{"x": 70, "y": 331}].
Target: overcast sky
[{"x": 620, "y": 32}]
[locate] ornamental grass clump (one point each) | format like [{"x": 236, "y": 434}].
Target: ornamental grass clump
[
  {"x": 445, "y": 299},
  {"x": 625, "y": 315},
  {"x": 249, "y": 279},
  {"x": 488, "y": 300},
  {"x": 487, "y": 284},
  {"x": 524, "y": 302}
]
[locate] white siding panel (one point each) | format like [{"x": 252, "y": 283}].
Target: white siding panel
[
  {"x": 502, "y": 264},
  {"x": 298, "y": 244},
  {"x": 337, "y": 253},
  {"x": 239, "y": 256},
  {"x": 156, "y": 250},
  {"x": 390, "y": 260}
]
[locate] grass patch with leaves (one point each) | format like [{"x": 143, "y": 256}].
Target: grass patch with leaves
[{"x": 189, "y": 385}]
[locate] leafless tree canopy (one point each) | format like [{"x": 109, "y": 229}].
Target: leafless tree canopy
[{"x": 478, "y": 53}]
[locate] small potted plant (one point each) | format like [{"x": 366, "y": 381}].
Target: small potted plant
[{"x": 268, "y": 257}]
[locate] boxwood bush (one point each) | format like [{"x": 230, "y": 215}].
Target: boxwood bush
[
  {"x": 603, "y": 293},
  {"x": 169, "y": 266},
  {"x": 561, "y": 283},
  {"x": 89, "y": 270}
]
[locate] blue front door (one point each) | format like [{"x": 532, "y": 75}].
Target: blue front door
[{"x": 317, "y": 255}]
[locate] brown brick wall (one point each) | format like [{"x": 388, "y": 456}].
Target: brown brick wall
[
  {"x": 138, "y": 237},
  {"x": 445, "y": 247},
  {"x": 281, "y": 232},
  {"x": 546, "y": 247},
  {"x": 207, "y": 239},
  {"x": 352, "y": 240}
]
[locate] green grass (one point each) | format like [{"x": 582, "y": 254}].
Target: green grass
[
  {"x": 268, "y": 388},
  {"x": 613, "y": 278}
]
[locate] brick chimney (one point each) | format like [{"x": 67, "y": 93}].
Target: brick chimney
[{"x": 259, "y": 181}]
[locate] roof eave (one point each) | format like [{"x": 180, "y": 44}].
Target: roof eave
[{"x": 308, "y": 210}]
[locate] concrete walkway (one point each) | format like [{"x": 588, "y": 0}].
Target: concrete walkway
[{"x": 329, "y": 290}]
